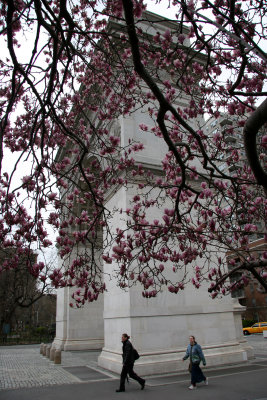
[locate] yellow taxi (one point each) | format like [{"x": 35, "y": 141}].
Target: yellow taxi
[{"x": 259, "y": 327}]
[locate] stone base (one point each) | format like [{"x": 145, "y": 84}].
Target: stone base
[
  {"x": 76, "y": 344},
  {"x": 171, "y": 361},
  {"x": 247, "y": 348}
]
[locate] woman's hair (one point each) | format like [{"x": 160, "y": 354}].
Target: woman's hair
[
  {"x": 125, "y": 335},
  {"x": 193, "y": 337}
]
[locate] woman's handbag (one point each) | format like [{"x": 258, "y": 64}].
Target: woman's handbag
[{"x": 190, "y": 367}]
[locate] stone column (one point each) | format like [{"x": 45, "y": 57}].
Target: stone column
[{"x": 78, "y": 329}]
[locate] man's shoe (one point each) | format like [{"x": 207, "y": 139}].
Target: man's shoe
[
  {"x": 191, "y": 387},
  {"x": 120, "y": 390},
  {"x": 143, "y": 385}
]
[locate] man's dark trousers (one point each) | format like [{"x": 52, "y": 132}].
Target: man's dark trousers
[{"x": 128, "y": 369}]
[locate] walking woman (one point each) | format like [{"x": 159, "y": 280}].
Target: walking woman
[
  {"x": 128, "y": 364},
  {"x": 195, "y": 354}
]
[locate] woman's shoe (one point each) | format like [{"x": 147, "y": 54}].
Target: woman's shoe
[{"x": 192, "y": 387}]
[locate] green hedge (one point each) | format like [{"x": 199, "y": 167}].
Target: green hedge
[
  {"x": 42, "y": 334},
  {"x": 248, "y": 322}
]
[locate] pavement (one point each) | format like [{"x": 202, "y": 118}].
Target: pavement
[{"x": 27, "y": 375}]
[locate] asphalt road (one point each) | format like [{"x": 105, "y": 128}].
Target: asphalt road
[{"x": 249, "y": 385}]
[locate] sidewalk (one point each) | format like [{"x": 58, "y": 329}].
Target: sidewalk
[{"x": 23, "y": 368}]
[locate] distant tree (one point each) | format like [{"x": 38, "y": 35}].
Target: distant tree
[
  {"x": 91, "y": 62},
  {"x": 20, "y": 287}
]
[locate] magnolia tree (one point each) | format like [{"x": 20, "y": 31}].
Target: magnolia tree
[{"x": 73, "y": 68}]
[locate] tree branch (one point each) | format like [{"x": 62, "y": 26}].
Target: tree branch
[{"x": 254, "y": 123}]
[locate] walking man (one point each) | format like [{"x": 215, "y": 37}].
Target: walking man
[{"x": 128, "y": 364}]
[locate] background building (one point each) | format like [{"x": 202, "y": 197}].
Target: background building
[{"x": 254, "y": 298}]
